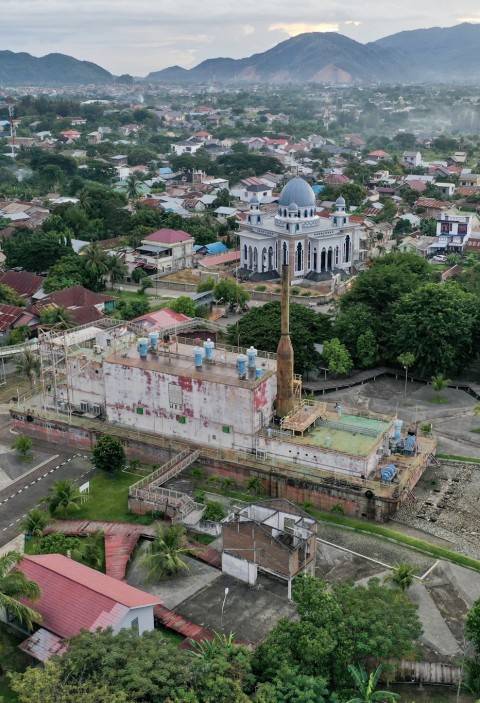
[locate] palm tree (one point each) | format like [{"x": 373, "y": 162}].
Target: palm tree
[
  {"x": 133, "y": 190},
  {"x": 407, "y": 359},
  {"x": 56, "y": 316},
  {"x": 117, "y": 269},
  {"x": 63, "y": 497},
  {"x": 35, "y": 522},
  {"x": 439, "y": 382},
  {"x": 28, "y": 366},
  {"x": 366, "y": 685},
  {"x": 15, "y": 585},
  {"x": 96, "y": 261},
  {"x": 163, "y": 556},
  {"x": 402, "y": 576},
  {"x": 254, "y": 485}
]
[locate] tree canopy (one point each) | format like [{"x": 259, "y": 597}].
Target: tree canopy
[{"x": 260, "y": 327}]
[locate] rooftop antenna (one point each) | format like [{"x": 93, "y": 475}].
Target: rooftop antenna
[{"x": 13, "y": 129}]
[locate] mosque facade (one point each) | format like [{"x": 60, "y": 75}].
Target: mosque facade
[{"x": 314, "y": 247}]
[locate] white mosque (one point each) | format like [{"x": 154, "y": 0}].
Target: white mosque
[{"x": 313, "y": 246}]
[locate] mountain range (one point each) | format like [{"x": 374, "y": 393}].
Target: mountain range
[{"x": 421, "y": 55}]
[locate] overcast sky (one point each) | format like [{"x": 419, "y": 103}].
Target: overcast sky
[{"x": 138, "y": 36}]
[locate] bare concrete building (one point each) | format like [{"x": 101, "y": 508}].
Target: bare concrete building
[{"x": 274, "y": 536}]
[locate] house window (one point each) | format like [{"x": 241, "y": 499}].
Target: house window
[
  {"x": 139, "y": 411},
  {"x": 84, "y": 406},
  {"x": 226, "y": 429},
  {"x": 134, "y": 626}
]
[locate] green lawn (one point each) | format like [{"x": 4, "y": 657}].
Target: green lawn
[
  {"x": 108, "y": 500},
  {"x": 12, "y": 659},
  {"x": 459, "y": 457}
]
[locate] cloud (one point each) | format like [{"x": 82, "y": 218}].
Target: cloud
[
  {"x": 294, "y": 28},
  {"x": 353, "y": 23},
  {"x": 247, "y": 29},
  {"x": 472, "y": 20}
]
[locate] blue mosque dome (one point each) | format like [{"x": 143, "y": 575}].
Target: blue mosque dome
[{"x": 299, "y": 192}]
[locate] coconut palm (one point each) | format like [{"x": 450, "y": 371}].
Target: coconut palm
[
  {"x": 63, "y": 497},
  {"x": 402, "y": 576},
  {"x": 91, "y": 551},
  {"x": 96, "y": 261},
  {"x": 56, "y": 316},
  {"x": 28, "y": 366},
  {"x": 366, "y": 685},
  {"x": 133, "y": 189},
  {"x": 35, "y": 522},
  {"x": 117, "y": 269},
  {"x": 15, "y": 585},
  {"x": 407, "y": 359},
  {"x": 164, "y": 555}
]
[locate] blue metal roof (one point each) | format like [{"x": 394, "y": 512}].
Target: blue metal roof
[{"x": 212, "y": 248}]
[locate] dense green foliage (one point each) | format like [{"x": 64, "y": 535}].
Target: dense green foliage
[
  {"x": 108, "y": 454},
  {"x": 260, "y": 327}
]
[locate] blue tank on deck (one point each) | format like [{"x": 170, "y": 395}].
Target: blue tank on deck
[
  {"x": 242, "y": 365},
  {"x": 142, "y": 347},
  {"x": 198, "y": 355},
  {"x": 388, "y": 473},
  {"x": 209, "y": 348},
  {"x": 258, "y": 373},
  {"x": 397, "y": 425},
  {"x": 153, "y": 337},
  {"x": 410, "y": 443}
]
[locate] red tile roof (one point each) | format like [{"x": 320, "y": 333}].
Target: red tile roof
[
  {"x": 336, "y": 179},
  {"x": 161, "y": 319},
  {"x": 168, "y": 236},
  {"x": 75, "y": 597},
  {"x": 24, "y": 282},
  {"x": 219, "y": 259},
  {"x": 11, "y": 315},
  {"x": 75, "y": 297}
]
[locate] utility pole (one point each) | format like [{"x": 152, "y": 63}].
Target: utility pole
[{"x": 11, "y": 112}]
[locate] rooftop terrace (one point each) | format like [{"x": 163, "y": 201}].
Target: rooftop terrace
[
  {"x": 351, "y": 434},
  {"x": 177, "y": 358}
]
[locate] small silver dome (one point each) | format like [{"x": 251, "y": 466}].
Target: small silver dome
[
  {"x": 298, "y": 192},
  {"x": 340, "y": 201}
]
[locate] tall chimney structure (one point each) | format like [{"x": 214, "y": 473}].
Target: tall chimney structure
[{"x": 285, "y": 395}]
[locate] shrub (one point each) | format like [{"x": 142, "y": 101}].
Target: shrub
[
  {"x": 261, "y": 289},
  {"x": 214, "y": 511}
]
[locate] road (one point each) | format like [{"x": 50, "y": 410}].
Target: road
[{"x": 28, "y": 490}]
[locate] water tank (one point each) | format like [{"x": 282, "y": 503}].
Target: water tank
[
  {"x": 198, "y": 355},
  {"x": 209, "y": 347},
  {"x": 397, "y": 427},
  {"x": 142, "y": 347},
  {"x": 252, "y": 357},
  {"x": 410, "y": 442},
  {"x": 153, "y": 337},
  {"x": 258, "y": 373},
  {"x": 242, "y": 365},
  {"x": 388, "y": 473}
]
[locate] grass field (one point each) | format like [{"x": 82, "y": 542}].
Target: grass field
[{"x": 108, "y": 500}]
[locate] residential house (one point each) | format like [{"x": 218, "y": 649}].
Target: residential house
[
  {"x": 75, "y": 598},
  {"x": 163, "y": 250},
  {"x": 70, "y": 135},
  {"x": 190, "y": 146},
  {"x": 83, "y": 305},
  {"x": 422, "y": 245},
  {"x": 447, "y": 189},
  {"x": 454, "y": 230},
  {"x": 432, "y": 207},
  {"x": 128, "y": 129},
  {"x": 24, "y": 283},
  {"x": 469, "y": 180},
  {"x": 13, "y": 317},
  {"x": 378, "y": 155},
  {"x": 412, "y": 159},
  {"x": 274, "y": 537},
  {"x": 251, "y": 187}
]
